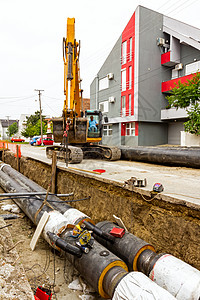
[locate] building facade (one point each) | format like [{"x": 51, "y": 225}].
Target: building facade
[
  {"x": 152, "y": 54},
  {"x": 4, "y": 124},
  {"x": 86, "y": 104}
]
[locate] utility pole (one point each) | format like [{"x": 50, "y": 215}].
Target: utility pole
[
  {"x": 39, "y": 94},
  {"x": 8, "y": 126}
]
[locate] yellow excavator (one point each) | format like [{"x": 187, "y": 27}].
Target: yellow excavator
[{"x": 78, "y": 131}]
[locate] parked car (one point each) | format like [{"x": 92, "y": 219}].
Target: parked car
[
  {"x": 46, "y": 141},
  {"x": 34, "y": 140},
  {"x": 14, "y": 139}
]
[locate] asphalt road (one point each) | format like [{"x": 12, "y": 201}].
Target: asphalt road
[{"x": 178, "y": 182}]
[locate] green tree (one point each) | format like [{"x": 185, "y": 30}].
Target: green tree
[
  {"x": 33, "y": 126},
  {"x": 12, "y": 129},
  {"x": 187, "y": 95},
  {"x": 38, "y": 127}
]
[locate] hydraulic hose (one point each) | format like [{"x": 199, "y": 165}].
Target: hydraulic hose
[
  {"x": 67, "y": 247},
  {"x": 99, "y": 232}
]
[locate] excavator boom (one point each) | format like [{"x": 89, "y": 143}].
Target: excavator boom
[{"x": 71, "y": 124}]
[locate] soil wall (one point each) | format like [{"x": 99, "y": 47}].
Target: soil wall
[{"x": 170, "y": 227}]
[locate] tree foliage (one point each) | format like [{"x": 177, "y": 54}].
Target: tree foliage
[
  {"x": 33, "y": 125},
  {"x": 12, "y": 129},
  {"x": 187, "y": 95},
  {"x": 193, "y": 124}
]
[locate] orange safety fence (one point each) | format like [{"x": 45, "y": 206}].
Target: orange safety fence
[{"x": 12, "y": 147}]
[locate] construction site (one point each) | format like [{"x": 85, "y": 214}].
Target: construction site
[
  {"x": 83, "y": 219},
  {"x": 152, "y": 225}
]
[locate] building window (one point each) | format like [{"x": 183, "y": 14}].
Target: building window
[
  {"x": 130, "y": 129},
  {"x": 103, "y": 83},
  {"x": 123, "y": 74},
  {"x": 103, "y": 106},
  {"x": 130, "y": 57},
  {"x": 107, "y": 130},
  {"x": 130, "y": 77},
  {"x": 129, "y": 103},
  {"x": 192, "y": 68},
  {"x": 123, "y": 106},
  {"x": 124, "y": 52}
]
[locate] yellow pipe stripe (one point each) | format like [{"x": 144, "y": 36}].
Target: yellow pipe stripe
[
  {"x": 116, "y": 263},
  {"x": 138, "y": 254}
]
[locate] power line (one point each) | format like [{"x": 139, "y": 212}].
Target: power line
[
  {"x": 15, "y": 97},
  {"x": 22, "y": 99}
]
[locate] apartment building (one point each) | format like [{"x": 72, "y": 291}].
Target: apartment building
[{"x": 152, "y": 53}]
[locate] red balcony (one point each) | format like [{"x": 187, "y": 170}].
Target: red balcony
[
  {"x": 169, "y": 85},
  {"x": 170, "y": 58},
  {"x": 165, "y": 58}
]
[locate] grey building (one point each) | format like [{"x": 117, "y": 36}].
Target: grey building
[
  {"x": 4, "y": 124},
  {"x": 152, "y": 53}
]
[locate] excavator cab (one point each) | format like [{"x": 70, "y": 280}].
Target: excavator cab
[{"x": 94, "y": 132}]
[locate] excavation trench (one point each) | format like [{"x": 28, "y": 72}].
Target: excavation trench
[{"x": 170, "y": 226}]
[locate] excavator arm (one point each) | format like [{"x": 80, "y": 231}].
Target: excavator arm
[
  {"x": 72, "y": 90},
  {"x": 72, "y": 123}
]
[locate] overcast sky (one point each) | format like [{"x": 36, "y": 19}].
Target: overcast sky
[{"x": 31, "y": 34}]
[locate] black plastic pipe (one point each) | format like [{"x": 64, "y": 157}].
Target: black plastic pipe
[
  {"x": 128, "y": 248},
  {"x": 97, "y": 265},
  {"x": 28, "y": 206},
  {"x": 30, "y": 186},
  {"x": 173, "y": 156}
]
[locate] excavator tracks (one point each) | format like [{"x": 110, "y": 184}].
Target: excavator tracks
[
  {"x": 101, "y": 152},
  {"x": 114, "y": 152},
  {"x": 74, "y": 154}
]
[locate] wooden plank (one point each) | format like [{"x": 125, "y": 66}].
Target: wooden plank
[
  {"x": 38, "y": 230},
  {"x": 94, "y": 172},
  {"x": 53, "y": 173},
  {"x": 3, "y": 155},
  {"x": 18, "y": 165}
]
